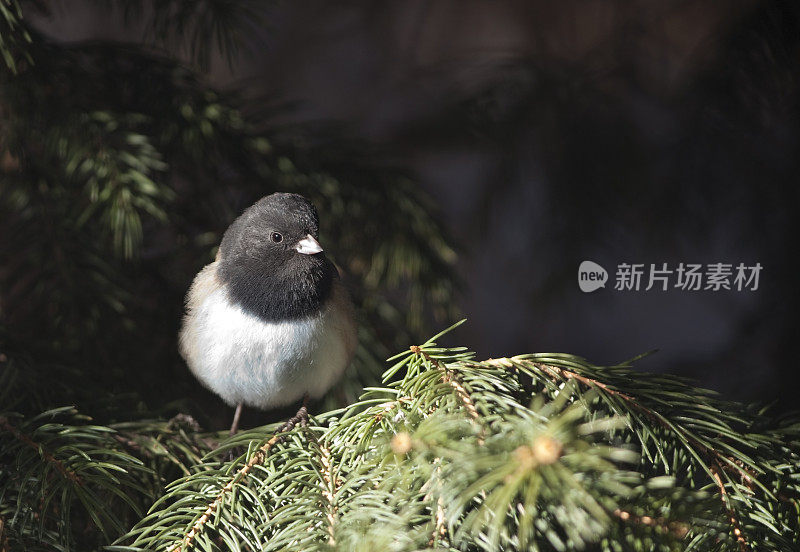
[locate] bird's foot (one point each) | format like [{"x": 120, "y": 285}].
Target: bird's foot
[{"x": 299, "y": 419}]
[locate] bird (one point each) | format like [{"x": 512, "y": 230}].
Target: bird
[{"x": 269, "y": 322}]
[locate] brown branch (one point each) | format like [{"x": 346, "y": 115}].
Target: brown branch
[
  {"x": 450, "y": 377},
  {"x": 4, "y": 546},
  {"x": 258, "y": 458},
  {"x": 6, "y": 426},
  {"x": 737, "y": 529},
  {"x": 590, "y": 382},
  {"x": 132, "y": 445},
  {"x": 331, "y": 484},
  {"x": 440, "y": 526},
  {"x": 677, "y": 528},
  {"x": 140, "y": 446},
  {"x": 389, "y": 406}
]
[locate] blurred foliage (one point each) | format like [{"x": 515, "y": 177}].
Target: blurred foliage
[
  {"x": 197, "y": 28},
  {"x": 121, "y": 170},
  {"x": 14, "y": 36}
]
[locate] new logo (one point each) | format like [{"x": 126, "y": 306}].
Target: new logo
[{"x": 591, "y": 276}]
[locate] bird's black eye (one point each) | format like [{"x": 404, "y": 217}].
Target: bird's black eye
[{"x": 277, "y": 238}]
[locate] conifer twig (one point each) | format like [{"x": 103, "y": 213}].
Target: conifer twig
[
  {"x": 329, "y": 489},
  {"x": 710, "y": 453},
  {"x": 714, "y": 455},
  {"x": 4, "y": 546},
  {"x": 449, "y": 377},
  {"x": 676, "y": 528},
  {"x": 440, "y": 532},
  {"x": 440, "y": 526},
  {"x": 389, "y": 406},
  {"x": 58, "y": 464},
  {"x": 737, "y": 530},
  {"x": 258, "y": 457}
]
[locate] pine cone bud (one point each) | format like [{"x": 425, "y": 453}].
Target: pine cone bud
[{"x": 401, "y": 443}]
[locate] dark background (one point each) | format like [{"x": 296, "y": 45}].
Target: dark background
[{"x": 554, "y": 132}]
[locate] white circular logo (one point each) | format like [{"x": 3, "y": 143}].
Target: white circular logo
[{"x": 591, "y": 276}]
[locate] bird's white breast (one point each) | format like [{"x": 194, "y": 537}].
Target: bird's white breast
[{"x": 264, "y": 364}]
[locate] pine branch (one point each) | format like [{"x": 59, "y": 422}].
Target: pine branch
[
  {"x": 49, "y": 465},
  {"x": 715, "y": 460},
  {"x": 413, "y": 469},
  {"x": 476, "y": 464},
  {"x": 48, "y": 457},
  {"x": 197, "y": 528},
  {"x": 330, "y": 486}
]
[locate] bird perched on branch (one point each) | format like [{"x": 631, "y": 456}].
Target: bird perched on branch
[{"x": 269, "y": 322}]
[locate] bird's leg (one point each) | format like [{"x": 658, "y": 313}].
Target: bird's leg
[
  {"x": 236, "y": 416},
  {"x": 236, "y": 451},
  {"x": 301, "y": 418}
]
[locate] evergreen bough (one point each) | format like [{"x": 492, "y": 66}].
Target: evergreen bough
[{"x": 531, "y": 452}]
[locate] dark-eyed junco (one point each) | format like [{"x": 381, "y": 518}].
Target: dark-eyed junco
[{"x": 269, "y": 322}]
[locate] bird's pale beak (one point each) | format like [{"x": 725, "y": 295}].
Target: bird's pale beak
[{"x": 308, "y": 245}]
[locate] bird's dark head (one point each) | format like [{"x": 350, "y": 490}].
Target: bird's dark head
[{"x": 271, "y": 260}]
